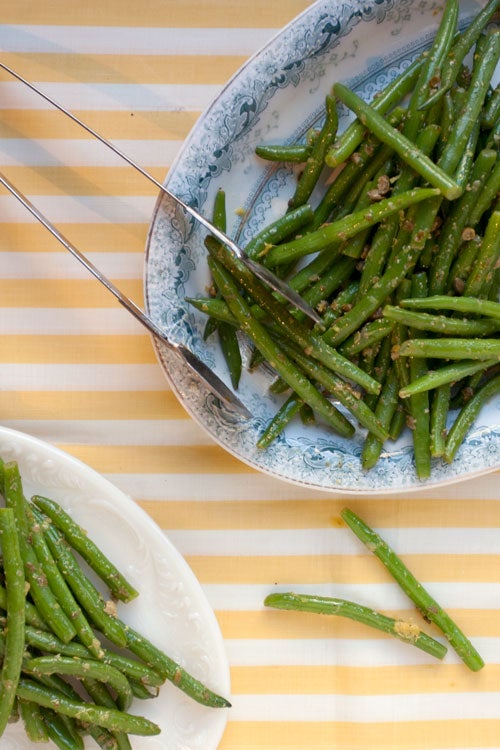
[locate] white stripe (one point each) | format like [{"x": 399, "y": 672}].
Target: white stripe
[
  {"x": 108, "y": 432},
  {"x": 366, "y": 708},
  {"x": 144, "y": 41},
  {"x": 254, "y": 487},
  {"x": 355, "y": 652},
  {"x": 335, "y": 541},
  {"x": 122, "y": 209},
  {"x": 68, "y": 321},
  {"x": 117, "y": 97},
  {"x": 82, "y": 377},
  {"x": 87, "y": 152},
  {"x": 386, "y": 596},
  {"x": 43, "y": 265}
]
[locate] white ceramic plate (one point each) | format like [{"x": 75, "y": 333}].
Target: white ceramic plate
[
  {"x": 276, "y": 97},
  {"x": 171, "y": 610}
]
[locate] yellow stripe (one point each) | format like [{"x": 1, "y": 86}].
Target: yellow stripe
[
  {"x": 77, "y": 349},
  {"x": 323, "y": 680},
  {"x": 119, "y": 405},
  {"x": 271, "y": 624},
  {"x": 155, "y": 13},
  {"x": 313, "y": 514},
  {"x": 64, "y": 293},
  {"x": 156, "y": 125},
  {"x": 341, "y": 569},
  {"x": 170, "y": 459},
  {"x": 99, "y": 181},
  {"x": 120, "y": 238},
  {"x": 146, "y": 69},
  {"x": 397, "y": 735}
]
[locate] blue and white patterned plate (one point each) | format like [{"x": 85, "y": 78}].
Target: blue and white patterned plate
[{"x": 276, "y": 97}]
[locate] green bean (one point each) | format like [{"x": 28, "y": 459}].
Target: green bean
[
  {"x": 168, "y": 669},
  {"x": 459, "y": 304},
  {"x": 32, "y": 719},
  {"x": 419, "y": 409},
  {"x": 214, "y": 308},
  {"x": 84, "y": 591},
  {"x": 467, "y": 415},
  {"x": 382, "y": 103},
  {"x": 342, "y": 302},
  {"x": 102, "y": 697},
  {"x": 370, "y": 334},
  {"x": 219, "y": 220},
  {"x": 395, "y": 273},
  {"x": 56, "y": 685},
  {"x": 314, "y": 270},
  {"x": 431, "y": 68},
  {"x": 315, "y": 162},
  {"x": 142, "y": 691},
  {"x": 440, "y": 406},
  {"x": 228, "y": 337},
  {"x": 230, "y": 347},
  {"x": 486, "y": 260},
  {"x": 400, "y": 364},
  {"x": 463, "y": 265},
  {"x": 491, "y": 111},
  {"x": 14, "y": 631},
  {"x": 283, "y": 416},
  {"x": 378, "y": 252},
  {"x": 465, "y": 40},
  {"x": 83, "y": 668},
  {"x": 45, "y": 641},
  {"x": 63, "y": 734},
  {"x": 341, "y": 196},
  {"x": 451, "y": 373},
  {"x": 464, "y": 124},
  {"x": 339, "y": 390},
  {"x": 283, "y": 227},
  {"x": 289, "y": 324},
  {"x": 295, "y": 153},
  {"x": 31, "y": 612},
  {"x": 340, "y": 272},
  {"x": 42, "y": 595},
  {"x": 441, "y": 323},
  {"x": 384, "y": 238},
  {"x": 456, "y": 221},
  {"x": 427, "y": 605},
  {"x": 384, "y": 412},
  {"x": 323, "y": 605},
  {"x": 262, "y": 340},
  {"x": 114, "y": 720},
  {"x": 347, "y": 227},
  {"x": 58, "y": 585},
  {"x": 487, "y": 195},
  {"x": 356, "y": 246},
  {"x": 455, "y": 348},
  {"x": 466, "y": 163},
  {"x": 405, "y": 148}
]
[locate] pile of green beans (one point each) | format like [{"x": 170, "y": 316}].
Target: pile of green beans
[
  {"x": 404, "y": 630},
  {"x": 69, "y": 666},
  {"x": 408, "y": 219}
]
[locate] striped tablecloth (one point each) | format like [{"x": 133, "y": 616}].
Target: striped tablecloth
[{"x": 79, "y": 372}]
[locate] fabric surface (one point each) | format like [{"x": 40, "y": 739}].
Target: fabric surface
[{"x": 79, "y": 372}]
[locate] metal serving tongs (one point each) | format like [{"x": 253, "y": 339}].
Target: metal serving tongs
[
  {"x": 195, "y": 365},
  {"x": 269, "y": 278}
]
